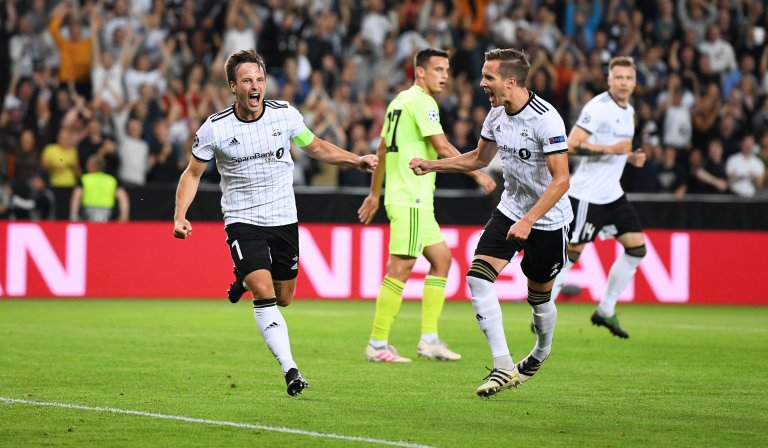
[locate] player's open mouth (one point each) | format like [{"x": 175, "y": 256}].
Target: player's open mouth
[
  {"x": 490, "y": 94},
  {"x": 253, "y": 99}
]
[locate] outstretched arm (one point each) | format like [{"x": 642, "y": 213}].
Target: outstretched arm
[
  {"x": 185, "y": 193},
  {"x": 329, "y": 153},
  {"x": 370, "y": 206},
  {"x": 478, "y": 158},
  {"x": 446, "y": 150}
]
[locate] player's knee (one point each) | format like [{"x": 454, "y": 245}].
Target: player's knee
[
  {"x": 638, "y": 252},
  {"x": 479, "y": 272},
  {"x": 573, "y": 256}
]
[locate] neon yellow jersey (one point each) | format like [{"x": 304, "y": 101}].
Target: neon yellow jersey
[{"x": 411, "y": 118}]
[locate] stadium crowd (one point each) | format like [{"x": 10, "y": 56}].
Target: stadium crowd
[{"x": 126, "y": 83}]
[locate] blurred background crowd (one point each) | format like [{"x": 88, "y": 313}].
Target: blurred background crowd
[{"x": 119, "y": 87}]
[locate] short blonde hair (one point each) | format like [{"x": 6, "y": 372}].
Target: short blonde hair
[{"x": 622, "y": 61}]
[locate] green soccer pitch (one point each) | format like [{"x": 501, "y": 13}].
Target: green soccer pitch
[{"x": 197, "y": 373}]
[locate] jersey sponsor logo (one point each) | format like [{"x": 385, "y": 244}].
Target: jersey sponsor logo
[
  {"x": 558, "y": 139},
  {"x": 433, "y": 116},
  {"x": 523, "y": 153},
  {"x": 264, "y": 155},
  {"x": 233, "y": 142}
]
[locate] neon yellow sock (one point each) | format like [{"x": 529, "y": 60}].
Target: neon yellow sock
[
  {"x": 387, "y": 306},
  {"x": 432, "y": 301}
]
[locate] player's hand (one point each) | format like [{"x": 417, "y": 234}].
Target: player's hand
[
  {"x": 519, "y": 231},
  {"x": 637, "y": 158},
  {"x": 368, "y": 210},
  {"x": 486, "y": 182},
  {"x": 419, "y": 166},
  {"x": 182, "y": 229},
  {"x": 367, "y": 163},
  {"x": 622, "y": 147}
]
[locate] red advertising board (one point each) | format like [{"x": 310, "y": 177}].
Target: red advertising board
[{"x": 143, "y": 260}]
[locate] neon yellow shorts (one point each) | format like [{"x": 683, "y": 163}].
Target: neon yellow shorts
[{"x": 411, "y": 229}]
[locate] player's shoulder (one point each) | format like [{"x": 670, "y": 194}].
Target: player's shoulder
[
  {"x": 224, "y": 113},
  {"x": 543, "y": 111},
  {"x": 277, "y": 104}
]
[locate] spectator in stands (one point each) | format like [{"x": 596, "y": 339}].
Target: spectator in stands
[
  {"x": 745, "y": 170},
  {"x": 711, "y": 175},
  {"x": 60, "y": 161},
  {"x": 94, "y": 199},
  {"x": 75, "y": 49},
  {"x": 677, "y": 126},
  {"x": 132, "y": 150},
  {"x": 721, "y": 53},
  {"x": 96, "y": 143},
  {"x": 672, "y": 176},
  {"x": 31, "y": 200}
]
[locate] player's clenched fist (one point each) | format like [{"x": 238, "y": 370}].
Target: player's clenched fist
[
  {"x": 419, "y": 166},
  {"x": 367, "y": 163},
  {"x": 182, "y": 229}
]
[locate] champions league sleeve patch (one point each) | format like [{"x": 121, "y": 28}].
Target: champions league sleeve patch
[
  {"x": 433, "y": 116},
  {"x": 196, "y": 142},
  {"x": 558, "y": 139}
]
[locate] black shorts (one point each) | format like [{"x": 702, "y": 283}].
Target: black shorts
[
  {"x": 275, "y": 249},
  {"x": 544, "y": 250},
  {"x": 589, "y": 219}
]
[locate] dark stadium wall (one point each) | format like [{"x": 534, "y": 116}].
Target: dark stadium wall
[{"x": 342, "y": 261}]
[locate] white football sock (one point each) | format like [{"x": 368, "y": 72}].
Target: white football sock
[
  {"x": 430, "y": 338},
  {"x": 621, "y": 274},
  {"x": 544, "y": 319},
  {"x": 488, "y": 315},
  {"x": 377, "y": 344},
  {"x": 274, "y": 330}
]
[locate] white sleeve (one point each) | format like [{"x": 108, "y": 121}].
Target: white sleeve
[
  {"x": 551, "y": 133},
  {"x": 589, "y": 117},
  {"x": 204, "y": 145},
  {"x": 295, "y": 122},
  {"x": 487, "y": 132}
]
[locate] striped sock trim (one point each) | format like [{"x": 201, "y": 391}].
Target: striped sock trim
[
  {"x": 393, "y": 285},
  {"x": 538, "y": 297},
  {"x": 482, "y": 270},
  {"x": 434, "y": 281},
  {"x": 264, "y": 303}
]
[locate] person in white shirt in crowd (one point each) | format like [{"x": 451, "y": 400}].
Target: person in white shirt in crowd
[{"x": 745, "y": 170}]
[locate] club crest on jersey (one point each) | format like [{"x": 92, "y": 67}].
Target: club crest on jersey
[
  {"x": 524, "y": 134},
  {"x": 276, "y": 132}
]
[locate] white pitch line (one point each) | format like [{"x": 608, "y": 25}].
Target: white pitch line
[{"x": 214, "y": 422}]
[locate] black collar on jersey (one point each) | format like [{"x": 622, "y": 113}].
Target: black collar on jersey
[
  {"x": 530, "y": 98},
  {"x": 263, "y": 109},
  {"x": 614, "y": 100}
]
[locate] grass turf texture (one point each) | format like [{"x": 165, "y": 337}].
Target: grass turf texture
[{"x": 688, "y": 376}]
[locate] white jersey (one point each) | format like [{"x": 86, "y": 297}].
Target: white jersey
[
  {"x": 523, "y": 140},
  {"x": 254, "y": 160},
  {"x": 596, "y": 178}
]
